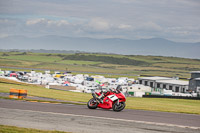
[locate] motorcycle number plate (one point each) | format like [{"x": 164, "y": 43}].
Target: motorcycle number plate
[{"x": 113, "y": 97}]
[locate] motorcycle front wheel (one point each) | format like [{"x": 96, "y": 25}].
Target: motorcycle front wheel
[
  {"x": 92, "y": 104},
  {"x": 118, "y": 107}
]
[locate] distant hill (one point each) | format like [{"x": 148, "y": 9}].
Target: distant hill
[
  {"x": 154, "y": 46},
  {"x": 43, "y": 51}
]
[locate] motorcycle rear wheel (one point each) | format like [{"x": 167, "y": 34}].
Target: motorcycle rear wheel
[
  {"x": 118, "y": 107},
  {"x": 92, "y": 104}
]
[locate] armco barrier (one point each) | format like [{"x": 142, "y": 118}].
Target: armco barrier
[
  {"x": 20, "y": 94},
  {"x": 174, "y": 97}
]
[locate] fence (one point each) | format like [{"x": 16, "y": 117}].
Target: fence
[{"x": 173, "y": 97}]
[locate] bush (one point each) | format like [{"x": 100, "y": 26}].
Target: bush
[
  {"x": 4, "y": 54},
  {"x": 106, "y": 59}
]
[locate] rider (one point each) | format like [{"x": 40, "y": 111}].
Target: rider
[
  {"x": 119, "y": 88},
  {"x": 103, "y": 92}
]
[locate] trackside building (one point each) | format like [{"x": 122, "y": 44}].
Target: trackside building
[
  {"x": 160, "y": 83},
  {"x": 194, "y": 83}
]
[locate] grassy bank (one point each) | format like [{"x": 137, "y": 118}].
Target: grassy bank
[
  {"x": 100, "y": 63},
  {"x": 155, "y": 104},
  {"x": 13, "y": 129}
]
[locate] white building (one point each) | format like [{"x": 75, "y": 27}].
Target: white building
[
  {"x": 151, "y": 81},
  {"x": 174, "y": 85},
  {"x": 194, "y": 83},
  {"x": 160, "y": 83},
  {"x": 136, "y": 90}
]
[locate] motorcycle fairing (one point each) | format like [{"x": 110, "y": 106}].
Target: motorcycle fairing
[
  {"x": 107, "y": 103},
  {"x": 113, "y": 97}
]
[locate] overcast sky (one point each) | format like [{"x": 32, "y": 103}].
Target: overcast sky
[{"x": 176, "y": 20}]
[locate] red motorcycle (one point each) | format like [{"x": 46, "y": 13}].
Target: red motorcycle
[{"x": 111, "y": 100}]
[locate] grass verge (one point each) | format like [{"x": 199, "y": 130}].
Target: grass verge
[
  {"x": 13, "y": 129},
  {"x": 46, "y": 101},
  {"x": 164, "y": 105}
]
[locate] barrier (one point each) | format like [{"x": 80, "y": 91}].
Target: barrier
[
  {"x": 22, "y": 94},
  {"x": 173, "y": 97},
  {"x": 16, "y": 93},
  {"x": 147, "y": 93}
]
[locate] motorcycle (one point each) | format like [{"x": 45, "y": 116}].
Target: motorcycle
[{"x": 112, "y": 100}]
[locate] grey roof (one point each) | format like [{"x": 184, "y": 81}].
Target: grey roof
[
  {"x": 173, "y": 81},
  {"x": 155, "y": 78},
  {"x": 195, "y": 72},
  {"x": 197, "y": 79}
]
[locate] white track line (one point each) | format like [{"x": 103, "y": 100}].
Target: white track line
[{"x": 115, "y": 119}]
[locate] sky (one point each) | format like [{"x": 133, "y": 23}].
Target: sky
[{"x": 175, "y": 20}]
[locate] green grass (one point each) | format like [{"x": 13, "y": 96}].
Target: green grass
[
  {"x": 46, "y": 101},
  {"x": 14, "y": 129},
  {"x": 165, "y": 105},
  {"x": 38, "y": 58},
  {"x": 155, "y": 104},
  {"x": 155, "y": 65},
  {"x": 72, "y": 62},
  {"x": 34, "y": 90}
]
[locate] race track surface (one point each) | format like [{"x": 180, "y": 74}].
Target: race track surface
[{"x": 78, "y": 118}]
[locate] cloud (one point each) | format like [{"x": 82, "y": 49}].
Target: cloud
[
  {"x": 141, "y": 27},
  {"x": 99, "y": 24},
  {"x": 43, "y": 21},
  {"x": 36, "y": 21},
  {"x": 125, "y": 26},
  {"x": 151, "y": 26},
  {"x": 7, "y": 22},
  {"x": 130, "y": 19},
  {"x": 3, "y": 35},
  {"x": 180, "y": 31},
  {"x": 103, "y": 25},
  {"x": 58, "y": 23},
  {"x": 2, "y": 21}
]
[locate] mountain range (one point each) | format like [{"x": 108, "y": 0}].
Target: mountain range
[{"x": 153, "y": 46}]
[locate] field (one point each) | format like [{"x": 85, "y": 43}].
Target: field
[
  {"x": 155, "y": 104},
  {"x": 13, "y": 129},
  {"x": 106, "y": 64}
]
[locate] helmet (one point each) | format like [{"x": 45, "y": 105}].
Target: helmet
[{"x": 119, "y": 88}]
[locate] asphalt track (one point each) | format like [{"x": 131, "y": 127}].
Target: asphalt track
[{"x": 78, "y": 118}]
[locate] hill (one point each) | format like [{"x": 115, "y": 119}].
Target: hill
[
  {"x": 154, "y": 46},
  {"x": 107, "y": 64}
]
